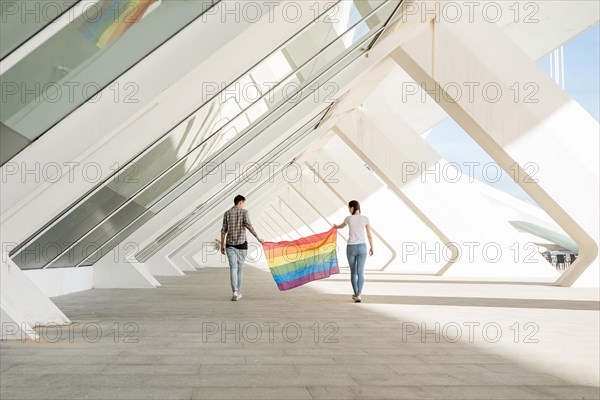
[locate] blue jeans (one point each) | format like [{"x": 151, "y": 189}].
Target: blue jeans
[
  {"x": 236, "y": 258},
  {"x": 357, "y": 256}
]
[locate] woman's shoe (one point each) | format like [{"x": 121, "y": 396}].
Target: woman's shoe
[
  {"x": 357, "y": 298},
  {"x": 354, "y": 297}
]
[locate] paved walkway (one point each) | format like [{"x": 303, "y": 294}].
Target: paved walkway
[{"x": 187, "y": 340}]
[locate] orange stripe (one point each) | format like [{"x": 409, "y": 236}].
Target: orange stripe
[{"x": 290, "y": 249}]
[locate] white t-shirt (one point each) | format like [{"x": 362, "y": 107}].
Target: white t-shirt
[{"x": 356, "y": 223}]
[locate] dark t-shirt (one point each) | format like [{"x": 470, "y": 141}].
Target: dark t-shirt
[{"x": 242, "y": 246}]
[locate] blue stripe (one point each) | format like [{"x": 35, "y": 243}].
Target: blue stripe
[{"x": 310, "y": 269}]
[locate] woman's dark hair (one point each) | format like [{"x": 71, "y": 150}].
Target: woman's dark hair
[
  {"x": 238, "y": 198},
  {"x": 354, "y": 204}
]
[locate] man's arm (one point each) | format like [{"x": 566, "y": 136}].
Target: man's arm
[
  {"x": 222, "y": 243},
  {"x": 253, "y": 232},
  {"x": 249, "y": 226},
  {"x": 223, "y": 233}
]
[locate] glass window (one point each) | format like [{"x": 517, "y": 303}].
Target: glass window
[
  {"x": 21, "y": 19},
  {"x": 82, "y": 58}
]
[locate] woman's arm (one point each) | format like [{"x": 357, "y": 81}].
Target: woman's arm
[
  {"x": 368, "y": 226},
  {"x": 340, "y": 226}
]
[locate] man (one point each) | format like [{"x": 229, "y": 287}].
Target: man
[{"x": 235, "y": 222}]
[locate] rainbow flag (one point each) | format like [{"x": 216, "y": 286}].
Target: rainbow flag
[
  {"x": 304, "y": 260},
  {"x": 113, "y": 19}
]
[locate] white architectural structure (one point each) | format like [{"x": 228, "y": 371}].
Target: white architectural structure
[{"x": 300, "y": 115}]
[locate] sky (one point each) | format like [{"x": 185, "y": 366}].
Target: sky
[{"x": 582, "y": 70}]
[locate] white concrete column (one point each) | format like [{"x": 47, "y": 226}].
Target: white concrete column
[
  {"x": 23, "y": 306},
  {"x": 310, "y": 216},
  {"x": 520, "y": 117},
  {"x": 180, "y": 261},
  {"x": 393, "y": 156},
  {"x": 332, "y": 206},
  {"x": 189, "y": 260},
  {"x": 277, "y": 224},
  {"x": 161, "y": 265},
  {"x": 322, "y": 206},
  {"x": 264, "y": 225},
  {"x": 285, "y": 222},
  {"x": 198, "y": 248},
  {"x": 124, "y": 272},
  {"x": 476, "y": 242},
  {"x": 295, "y": 219}
]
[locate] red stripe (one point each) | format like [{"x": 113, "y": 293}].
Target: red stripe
[{"x": 319, "y": 237}]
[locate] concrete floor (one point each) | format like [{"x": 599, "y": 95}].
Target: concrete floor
[{"x": 187, "y": 340}]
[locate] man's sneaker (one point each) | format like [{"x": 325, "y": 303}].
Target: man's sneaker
[
  {"x": 239, "y": 296},
  {"x": 357, "y": 299},
  {"x": 236, "y": 296}
]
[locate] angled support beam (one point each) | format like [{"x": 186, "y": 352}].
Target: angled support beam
[
  {"x": 127, "y": 272},
  {"x": 300, "y": 218},
  {"x": 532, "y": 139},
  {"x": 293, "y": 229},
  {"x": 316, "y": 209},
  {"x": 311, "y": 217},
  {"x": 279, "y": 234},
  {"x": 342, "y": 199},
  {"x": 276, "y": 224},
  {"x": 23, "y": 306},
  {"x": 350, "y": 134},
  {"x": 197, "y": 244}
]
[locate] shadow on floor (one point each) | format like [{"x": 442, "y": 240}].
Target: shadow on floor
[
  {"x": 482, "y": 302},
  {"x": 345, "y": 350}
]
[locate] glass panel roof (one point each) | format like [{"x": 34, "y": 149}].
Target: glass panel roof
[
  {"x": 21, "y": 19},
  {"x": 223, "y": 124},
  {"x": 82, "y": 58},
  {"x": 227, "y": 192}
]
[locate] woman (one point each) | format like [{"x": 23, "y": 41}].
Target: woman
[{"x": 357, "y": 248}]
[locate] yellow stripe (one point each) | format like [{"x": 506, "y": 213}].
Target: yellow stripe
[{"x": 107, "y": 36}]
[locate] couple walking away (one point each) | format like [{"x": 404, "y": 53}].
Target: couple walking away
[{"x": 236, "y": 220}]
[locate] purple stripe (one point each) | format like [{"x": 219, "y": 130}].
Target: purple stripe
[{"x": 308, "y": 278}]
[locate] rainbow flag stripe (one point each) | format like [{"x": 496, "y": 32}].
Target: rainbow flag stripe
[
  {"x": 304, "y": 260},
  {"x": 113, "y": 19}
]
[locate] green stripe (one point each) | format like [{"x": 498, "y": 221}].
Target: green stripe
[{"x": 316, "y": 259}]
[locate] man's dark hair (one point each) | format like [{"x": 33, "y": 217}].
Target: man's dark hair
[{"x": 238, "y": 198}]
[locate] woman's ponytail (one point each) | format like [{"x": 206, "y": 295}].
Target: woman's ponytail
[{"x": 356, "y": 205}]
